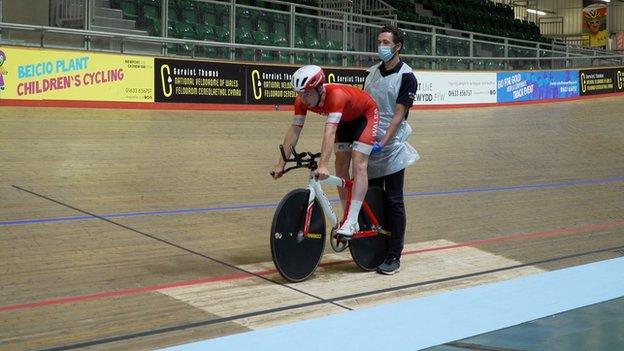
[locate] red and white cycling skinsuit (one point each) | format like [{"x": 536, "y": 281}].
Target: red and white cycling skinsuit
[{"x": 352, "y": 109}]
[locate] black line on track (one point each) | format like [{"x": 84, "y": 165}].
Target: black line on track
[
  {"x": 320, "y": 299},
  {"x": 478, "y": 347},
  {"x": 339, "y": 298}
]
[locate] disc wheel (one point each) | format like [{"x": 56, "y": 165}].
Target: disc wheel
[
  {"x": 369, "y": 252},
  {"x": 295, "y": 256}
]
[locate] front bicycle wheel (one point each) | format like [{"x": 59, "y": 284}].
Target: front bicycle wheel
[
  {"x": 369, "y": 252},
  {"x": 295, "y": 256}
]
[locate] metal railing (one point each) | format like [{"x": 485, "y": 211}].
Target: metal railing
[
  {"x": 67, "y": 13},
  {"x": 378, "y": 8}
]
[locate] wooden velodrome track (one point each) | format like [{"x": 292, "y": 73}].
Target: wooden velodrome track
[{"x": 136, "y": 229}]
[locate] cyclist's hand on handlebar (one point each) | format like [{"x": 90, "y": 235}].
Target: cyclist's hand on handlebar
[
  {"x": 322, "y": 173},
  {"x": 277, "y": 172}
]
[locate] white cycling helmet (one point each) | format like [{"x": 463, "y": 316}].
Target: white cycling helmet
[{"x": 307, "y": 77}]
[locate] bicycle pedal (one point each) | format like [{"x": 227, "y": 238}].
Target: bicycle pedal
[
  {"x": 344, "y": 237},
  {"x": 339, "y": 245}
]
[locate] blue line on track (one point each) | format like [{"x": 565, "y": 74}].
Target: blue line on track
[
  {"x": 522, "y": 187},
  {"x": 256, "y": 206}
]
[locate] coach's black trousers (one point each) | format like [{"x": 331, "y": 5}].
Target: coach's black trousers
[{"x": 393, "y": 186}]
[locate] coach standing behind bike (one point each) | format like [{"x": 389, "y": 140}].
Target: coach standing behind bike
[{"x": 392, "y": 85}]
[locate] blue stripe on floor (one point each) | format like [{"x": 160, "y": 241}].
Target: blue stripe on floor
[
  {"x": 273, "y": 205},
  {"x": 438, "y": 319}
]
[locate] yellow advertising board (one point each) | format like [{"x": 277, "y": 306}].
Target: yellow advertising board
[{"x": 43, "y": 74}]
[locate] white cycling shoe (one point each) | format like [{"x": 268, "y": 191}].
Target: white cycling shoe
[{"x": 348, "y": 229}]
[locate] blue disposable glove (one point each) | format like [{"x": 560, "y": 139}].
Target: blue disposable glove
[{"x": 376, "y": 148}]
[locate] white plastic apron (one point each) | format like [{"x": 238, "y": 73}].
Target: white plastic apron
[{"x": 397, "y": 154}]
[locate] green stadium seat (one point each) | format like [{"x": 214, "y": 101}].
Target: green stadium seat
[
  {"x": 205, "y": 32},
  {"x": 313, "y": 43},
  {"x": 243, "y": 11},
  {"x": 351, "y": 59},
  {"x": 299, "y": 42},
  {"x": 189, "y": 14},
  {"x": 151, "y": 12},
  {"x": 300, "y": 30},
  {"x": 280, "y": 34},
  {"x": 442, "y": 47},
  {"x": 184, "y": 30},
  {"x": 245, "y": 54},
  {"x": 222, "y": 33},
  {"x": 173, "y": 11},
  {"x": 316, "y": 57},
  {"x": 129, "y": 9},
  {"x": 281, "y": 56},
  {"x": 424, "y": 47},
  {"x": 301, "y": 57},
  {"x": 175, "y": 49},
  {"x": 244, "y": 35},
  {"x": 263, "y": 36},
  {"x": 155, "y": 28},
  {"x": 149, "y": 17},
  {"x": 208, "y": 18},
  {"x": 204, "y": 8},
  {"x": 244, "y": 31},
  {"x": 279, "y": 7},
  {"x": 333, "y": 59},
  {"x": 222, "y": 13},
  {"x": 267, "y": 55},
  {"x": 264, "y": 24}
]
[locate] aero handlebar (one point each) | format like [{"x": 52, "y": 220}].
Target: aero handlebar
[{"x": 301, "y": 160}]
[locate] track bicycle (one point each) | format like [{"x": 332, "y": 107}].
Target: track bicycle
[{"x": 298, "y": 228}]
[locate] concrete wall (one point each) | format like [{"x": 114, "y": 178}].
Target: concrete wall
[{"x": 36, "y": 12}]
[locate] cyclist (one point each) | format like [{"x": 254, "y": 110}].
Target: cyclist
[{"x": 351, "y": 123}]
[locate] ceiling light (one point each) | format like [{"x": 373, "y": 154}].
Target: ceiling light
[{"x": 537, "y": 12}]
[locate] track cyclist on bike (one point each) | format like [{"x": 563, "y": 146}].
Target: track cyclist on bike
[{"x": 351, "y": 125}]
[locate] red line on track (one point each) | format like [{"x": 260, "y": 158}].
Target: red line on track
[
  {"x": 141, "y": 105},
  {"x": 515, "y": 103},
  {"x": 239, "y": 276}
]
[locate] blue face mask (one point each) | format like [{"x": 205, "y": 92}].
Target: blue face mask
[{"x": 385, "y": 53}]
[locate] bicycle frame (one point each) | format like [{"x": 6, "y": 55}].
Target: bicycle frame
[{"x": 316, "y": 192}]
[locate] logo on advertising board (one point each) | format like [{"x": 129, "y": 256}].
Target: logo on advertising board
[
  {"x": 619, "y": 78},
  {"x": 355, "y": 78},
  {"x": 542, "y": 85},
  {"x": 198, "y": 82},
  {"x": 598, "y": 81},
  {"x": 271, "y": 84},
  {"x": 3, "y": 70}
]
